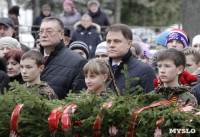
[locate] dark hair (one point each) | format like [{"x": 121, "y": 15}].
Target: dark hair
[
  {"x": 34, "y": 55},
  {"x": 3, "y": 64},
  {"x": 47, "y": 19},
  {"x": 178, "y": 57},
  {"x": 14, "y": 10},
  {"x": 126, "y": 31},
  {"x": 14, "y": 54}
]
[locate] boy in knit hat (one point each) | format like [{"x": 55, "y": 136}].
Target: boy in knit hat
[
  {"x": 7, "y": 44},
  {"x": 196, "y": 42},
  {"x": 80, "y": 48},
  {"x": 101, "y": 51},
  {"x": 176, "y": 39}
]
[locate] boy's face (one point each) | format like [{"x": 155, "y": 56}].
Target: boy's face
[
  {"x": 95, "y": 82},
  {"x": 168, "y": 72},
  {"x": 191, "y": 65},
  {"x": 79, "y": 51},
  {"x": 197, "y": 46},
  {"x": 30, "y": 71},
  {"x": 175, "y": 44}
]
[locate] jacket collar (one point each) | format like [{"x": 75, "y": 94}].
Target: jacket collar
[{"x": 125, "y": 59}]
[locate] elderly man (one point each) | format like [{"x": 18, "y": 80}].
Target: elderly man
[
  {"x": 119, "y": 40},
  {"x": 7, "y": 30},
  {"x": 63, "y": 67}
]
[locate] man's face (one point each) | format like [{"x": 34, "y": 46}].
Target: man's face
[
  {"x": 46, "y": 12},
  {"x": 50, "y": 34},
  {"x": 6, "y": 31},
  {"x": 86, "y": 22},
  {"x": 117, "y": 45}
]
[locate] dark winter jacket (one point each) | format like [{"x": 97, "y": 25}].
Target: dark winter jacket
[
  {"x": 136, "y": 68},
  {"x": 196, "y": 92},
  {"x": 89, "y": 36},
  {"x": 17, "y": 78},
  {"x": 99, "y": 18},
  {"x": 24, "y": 47},
  {"x": 4, "y": 80},
  {"x": 36, "y": 24},
  {"x": 64, "y": 71}
]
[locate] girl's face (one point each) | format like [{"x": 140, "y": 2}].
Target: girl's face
[
  {"x": 95, "y": 82},
  {"x": 13, "y": 67},
  {"x": 168, "y": 72}
]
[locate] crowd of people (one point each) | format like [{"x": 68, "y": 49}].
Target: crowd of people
[{"x": 173, "y": 71}]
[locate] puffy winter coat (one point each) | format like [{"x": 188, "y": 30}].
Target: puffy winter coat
[
  {"x": 89, "y": 36},
  {"x": 136, "y": 68},
  {"x": 64, "y": 71},
  {"x": 99, "y": 18}
]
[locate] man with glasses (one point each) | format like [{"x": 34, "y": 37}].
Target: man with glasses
[{"x": 63, "y": 67}]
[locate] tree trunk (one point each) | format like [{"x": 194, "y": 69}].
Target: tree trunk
[
  {"x": 9, "y": 4},
  {"x": 191, "y": 18},
  {"x": 36, "y": 8},
  {"x": 117, "y": 13}
]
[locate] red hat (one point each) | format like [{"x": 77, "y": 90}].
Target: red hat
[{"x": 68, "y": 2}]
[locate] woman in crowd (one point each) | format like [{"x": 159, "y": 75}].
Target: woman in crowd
[{"x": 13, "y": 65}]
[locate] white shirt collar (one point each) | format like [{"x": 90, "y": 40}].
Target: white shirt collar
[
  {"x": 113, "y": 63},
  {"x": 45, "y": 54}
]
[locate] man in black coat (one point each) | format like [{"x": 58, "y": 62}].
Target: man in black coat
[
  {"x": 119, "y": 40},
  {"x": 63, "y": 67},
  {"x": 46, "y": 12}
]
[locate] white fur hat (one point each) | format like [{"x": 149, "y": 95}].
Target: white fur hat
[
  {"x": 11, "y": 42},
  {"x": 196, "y": 40}
]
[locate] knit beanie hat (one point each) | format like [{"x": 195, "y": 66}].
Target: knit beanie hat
[
  {"x": 162, "y": 38},
  {"x": 196, "y": 40},
  {"x": 177, "y": 34},
  {"x": 11, "y": 42},
  {"x": 46, "y": 6},
  {"x": 68, "y": 2},
  {"x": 92, "y": 2},
  {"x": 80, "y": 45},
  {"x": 146, "y": 50},
  {"x": 101, "y": 47}
]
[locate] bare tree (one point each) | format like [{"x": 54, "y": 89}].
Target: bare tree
[
  {"x": 36, "y": 7},
  {"x": 190, "y": 17},
  {"x": 9, "y": 3},
  {"x": 117, "y": 13}
]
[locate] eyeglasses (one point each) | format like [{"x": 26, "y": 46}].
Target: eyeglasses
[{"x": 48, "y": 32}]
